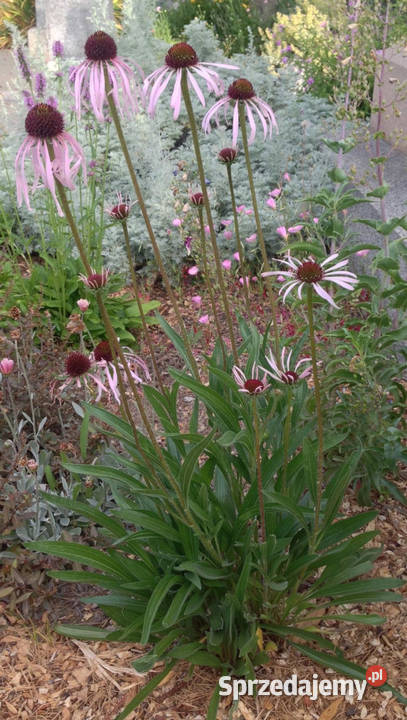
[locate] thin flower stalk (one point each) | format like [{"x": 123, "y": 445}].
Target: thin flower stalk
[
  {"x": 262, "y": 533},
  {"x": 194, "y": 133},
  {"x": 260, "y": 237},
  {"x": 140, "y": 308},
  {"x": 209, "y": 285},
  {"x": 157, "y": 254},
  {"x": 379, "y": 116},
  {"x": 286, "y": 437},
  {"x": 318, "y": 407},
  {"x": 238, "y": 240}
]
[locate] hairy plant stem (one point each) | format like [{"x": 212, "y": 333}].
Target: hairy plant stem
[
  {"x": 379, "y": 117},
  {"x": 209, "y": 286},
  {"x": 286, "y": 438},
  {"x": 117, "y": 352},
  {"x": 195, "y": 140},
  {"x": 140, "y": 308},
  {"x": 318, "y": 407},
  {"x": 157, "y": 254},
  {"x": 262, "y": 533},
  {"x": 260, "y": 236},
  {"x": 238, "y": 241}
]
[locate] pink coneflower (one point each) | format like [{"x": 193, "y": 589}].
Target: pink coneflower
[
  {"x": 197, "y": 199},
  {"x": 45, "y": 128},
  {"x": 241, "y": 90},
  {"x": 6, "y": 366},
  {"x": 96, "y": 280},
  {"x": 89, "y": 77},
  {"x": 310, "y": 272},
  {"x": 83, "y": 304},
  {"x": 180, "y": 57},
  {"x": 284, "y": 373},
  {"x": 121, "y": 210},
  {"x": 252, "y": 385},
  {"x": 107, "y": 375}
]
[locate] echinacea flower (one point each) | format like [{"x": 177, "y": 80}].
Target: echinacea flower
[
  {"x": 227, "y": 156},
  {"x": 182, "y": 57},
  {"x": 251, "y": 385},
  {"x": 95, "y": 280},
  {"x": 121, "y": 210},
  {"x": 88, "y": 78},
  {"x": 6, "y": 366},
  {"x": 284, "y": 373},
  {"x": 107, "y": 374},
  {"x": 55, "y": 154},
  {"x": 242, "y": 91},
  {"x": 197, "y": 199},
  {"x": 309, "y": 272}
]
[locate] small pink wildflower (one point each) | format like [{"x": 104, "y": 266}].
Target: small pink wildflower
[
  {"x": 83, "y": 304},
  {"x": 226, "y": 222},
  {"x": 252, "y": 238},
  {"x": 204, "y": 320},
  {"x": 207, "y": 230},
  {"x": 275, "y": 193},
  {"x": 177, "y": 222},
  {"x": 244, "y": 281},
  {"x": 194, "y": 270},
  {"x": 236, "y": 256},
  {"x": 197, "y": 300},
  {"x": 280, "y": 278},
  {"x": 241, "y": 208},
  {"x": 227, "y": 264},
  {"x": 271, "y": 203},
  {"x": 295, "y": 229},
  {"x": 6, "y": 366},
  {"x": 362, "y": 253},
  {"x": 228, "y": 234},
  {"x": 282, "y": 232},
  {"x": 249, "y": 211},
  {"x": 286, "y": 177},
  {"x": 315, "y": 220}
]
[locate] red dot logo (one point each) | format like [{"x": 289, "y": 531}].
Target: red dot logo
[{"x": 376, "y": 675}]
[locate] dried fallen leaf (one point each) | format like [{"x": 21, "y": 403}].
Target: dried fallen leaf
[
  {"x": 330, "y": 712},
  {"x": 247, "y": 714}
]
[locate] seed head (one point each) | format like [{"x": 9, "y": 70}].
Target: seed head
[
  {"x": 241, "y": 89},
  {"x": 43, "y": 121},
  {"x": 181, "y": 55},
  {"x": 100, "y": 46},
  {"x": 310, "y": 272},
  {"x": 102, "y": 351},
  {"x": 77, "y": 364}
]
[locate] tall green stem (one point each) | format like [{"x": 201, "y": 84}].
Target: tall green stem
[
  {"x": 238, "y": 241},
  {"x": 140, "y": 308},
  {"x": 157, "y": 254},
  {"x": 260, "y": 236},
  {"x": 117, "y": 352},
  {"x": 318, "y": 406},
  {"x": 286, "y": 438},
  {"x": 195, "y": 140},
  {"x": 209, "y": 286},
  {"x": 258, "y": 470}
]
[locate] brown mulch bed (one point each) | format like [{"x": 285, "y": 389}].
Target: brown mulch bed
[{"x": 47, "y": 677}]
